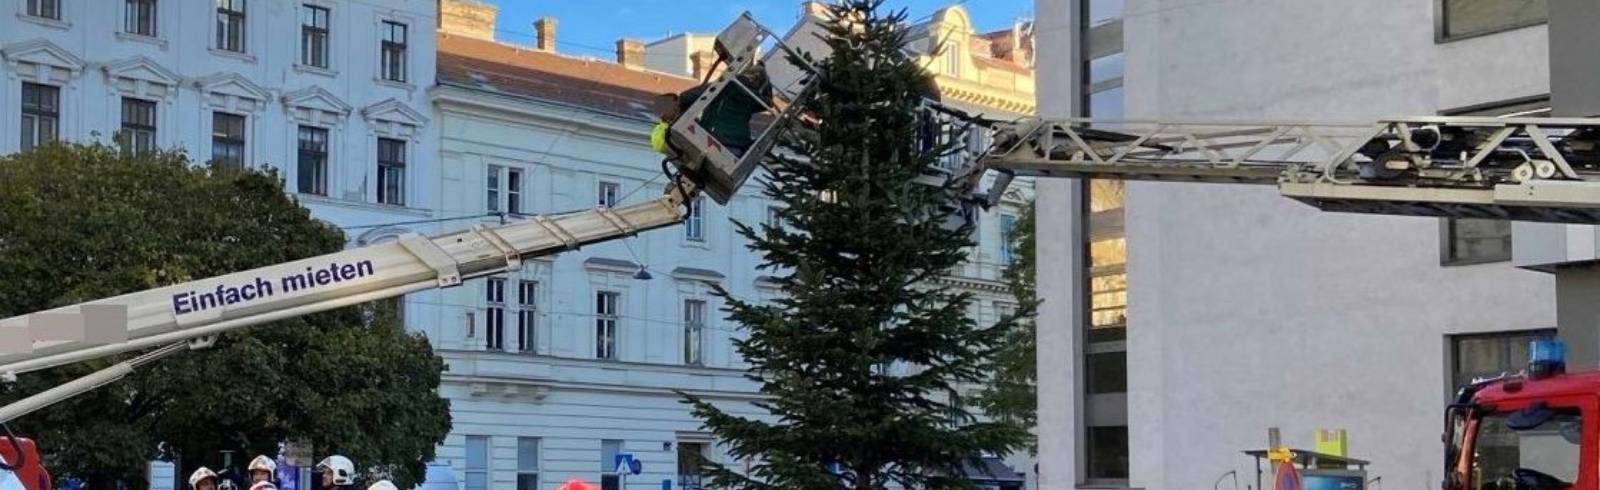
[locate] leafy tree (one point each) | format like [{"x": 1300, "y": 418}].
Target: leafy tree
[
  {"x": 84, "y": 222},
  {"x": 860, "y": 356},
  {"x": 1012, "y": 394}
]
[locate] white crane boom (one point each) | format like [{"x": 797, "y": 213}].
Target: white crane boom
[
  {"x": 206, "y": 307},
  {"x": 1530, "y": 169}
]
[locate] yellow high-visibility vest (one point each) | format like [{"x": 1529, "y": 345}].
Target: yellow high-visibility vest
[{"x": 658, "y": 138}]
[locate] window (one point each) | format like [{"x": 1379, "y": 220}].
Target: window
[
  {"x": 1108, "y": 453},
  {"x": 510, "y": 188},
  {"x": 527, "y": 315},
  {"x": 1476, "y": 241},
  {"x": 312, "y": 175},
  {"x": 227, "y": 139},
  {"x": 391, "y": 171},
  {"x": 1105, "y": 360},
  {"x": 694, "y": 228},
  {"x": 1106, "y": 69},
  {"x": 690, "y": 456},
  {"x": 1004, "y": 310},
  {"x": 952, "y": 60},
  {"x": 138, "y": 125},
  {"x": 477, "y": 463},
  {"x": 607, "y": 194},
  {"x": 694, "y": 325},
  {"x": 514, "y": 191},
  {"x": 41, "y": 114},
  {"x": 774, "y": 218},
  {"x": 527, "y": 463},
  {"x": 394, "y": 51},
  {"x": 494, "y": 318},
  {"x": 492, "y": 198},
  {"x": 139, "y": 17},
  {"x": 1466, "y": 18},
  {"x": 314, "y": 36},
  {"x": 1106, "y": 372},
  {"x": 1505, "y": 443},
  {"x": 230, "y": 25},
  {"x": 1008, "y": 227},
  {"x": 605, "y": 324},
  {"x": 49, "y": 9},
  {"x": 609, "y": 480},
  {"x": 1490, "y": 355},
  {"x": 1106, "y": 104}
]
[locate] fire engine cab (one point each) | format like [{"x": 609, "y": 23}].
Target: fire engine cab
[{"x": 1528, "y": 431}]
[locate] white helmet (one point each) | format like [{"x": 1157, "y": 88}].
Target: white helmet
[
  {"x": 263, "y": 485},
  {"x": 200, "y": 475},
  {"x": 263, "y": 463},
  {"x": 383, "y": 485},
  {"x": 344, "y": 472}
]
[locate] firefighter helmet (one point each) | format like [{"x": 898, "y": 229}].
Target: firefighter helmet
[
  {"x": 263, "y": 463},
  {"x": 383, "y": 485},
  {"x": 200, "y": 475},
  {"x": 344, "y": 472},
  {"x": 263, "y": 485}
]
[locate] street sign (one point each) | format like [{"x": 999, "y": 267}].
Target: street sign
[
  {"x": 298, "y": 453},
  {"x": 626, "y": 464}
]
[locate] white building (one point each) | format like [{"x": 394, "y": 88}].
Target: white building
[
  {"x": 330, "y": 92},
  {"x": 1206, "y": 314},
  {"x": 556, "y": 368}
]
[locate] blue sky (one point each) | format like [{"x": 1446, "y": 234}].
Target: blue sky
[{"x": 591, "y": 27}]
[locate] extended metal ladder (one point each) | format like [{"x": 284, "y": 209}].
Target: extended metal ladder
[{"x": 1526, "y": 169}]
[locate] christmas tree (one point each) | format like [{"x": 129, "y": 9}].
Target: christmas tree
[{"x": 862, "y": 359}]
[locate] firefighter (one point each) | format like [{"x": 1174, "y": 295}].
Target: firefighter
[
  {"x": 667, "y": 111},
  {"x": 337, "y": 472},
  {"x": 203, "y": 479},
  {"x": 261, "y": 469}
]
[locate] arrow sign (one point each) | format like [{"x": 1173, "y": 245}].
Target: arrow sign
[{"x": 626, "y": 464}]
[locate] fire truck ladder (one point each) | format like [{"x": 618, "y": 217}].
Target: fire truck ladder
[{"x": 1528, "y": 169}]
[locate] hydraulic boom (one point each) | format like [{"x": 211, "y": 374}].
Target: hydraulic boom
[{"x": 1468, "y": 167}]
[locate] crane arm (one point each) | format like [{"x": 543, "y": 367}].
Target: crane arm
[
  {"x": 188, "y": 314},
  {"x": 211, "y": 306},
  {"x": 1530, "y": 169}
]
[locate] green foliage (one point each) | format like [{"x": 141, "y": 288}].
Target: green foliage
[
  {"x": 861, "y": 355},
  {"x": 1012, "y": 395},
  {"x": 84, "y": 222}
]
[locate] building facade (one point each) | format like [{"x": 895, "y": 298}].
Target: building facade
[
  {"x": 1181, "y": 321},
  {"x": 557, "y": 368},
  {"x": 329, "y": 92}
]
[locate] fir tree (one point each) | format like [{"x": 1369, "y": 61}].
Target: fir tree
[
  {"x": 861, "y": 357},
  {"x": 1012, "y": 394}
]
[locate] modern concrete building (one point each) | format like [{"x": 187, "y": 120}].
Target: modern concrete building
[
  {"x": 331, "y": 93},
  {"x": 1181, "y": 321}
]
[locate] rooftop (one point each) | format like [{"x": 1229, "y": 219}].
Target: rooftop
[{"x": 532, "y": 73}]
